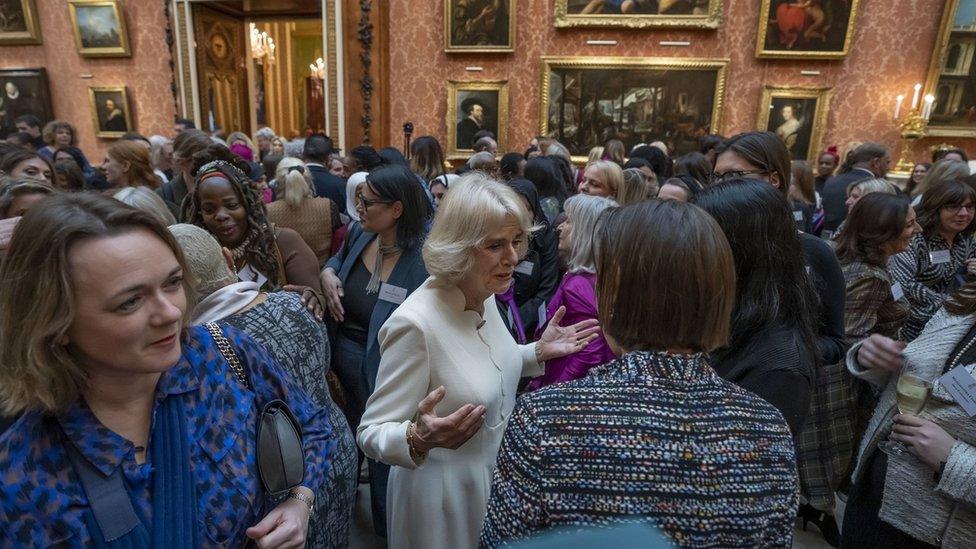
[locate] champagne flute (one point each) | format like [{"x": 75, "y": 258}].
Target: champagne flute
[{"x": 912, "y": 393}]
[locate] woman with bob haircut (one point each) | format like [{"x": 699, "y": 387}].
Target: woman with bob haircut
[
  {"x": 449, "y": 369},
  {"x": 426, "y": 158},
  {"x": 120, "y": 397},
  {"x": 667, "y": 290},
  {"x": 942, "y": 257},
  {"x": 576, "y": 294},
  {"x": 602, "y": 178}
]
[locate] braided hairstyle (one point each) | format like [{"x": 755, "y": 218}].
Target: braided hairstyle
[{"x": 262, "y": 251}]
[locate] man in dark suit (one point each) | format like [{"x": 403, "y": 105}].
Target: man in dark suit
[
  {"x": 474, "y": 110},
  {"x": 870, "y": 160},
  {"x": 318, "y": 147}
]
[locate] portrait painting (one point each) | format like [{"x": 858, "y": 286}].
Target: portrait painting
[
  {"x": 797, "y": 116},
  {"x": 638, "y": 13},
  {"x": 110, "y": 110},
  {"x": 18, "y": 23},
  {"x": 952, "y": 73},
  {"x": 99, "y": 28},
  {"x": 473, "y": 107},
  {"x": 812, "y": 29},
  {"x": 479, "y": 25},
  {"x": 588, "y": 101},
  {"x": 23, "y": 91}
]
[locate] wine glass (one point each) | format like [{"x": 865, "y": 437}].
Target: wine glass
[{"x": 912, "y": 393}]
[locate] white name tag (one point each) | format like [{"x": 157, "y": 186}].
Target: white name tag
[
  {"x": 940, "y": 257},
  {"x": 798, "y": 215},
  {"x": 250, "y": 274},
  {"x": 525, "y": 267},
  {"x": 962, "y": 386},
  {"x": 392, "y": 294},
  {"x": 543, "y": 312},
  {"x": 897, "y": 292}
]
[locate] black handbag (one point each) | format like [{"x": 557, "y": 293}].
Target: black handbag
[{"x": 281, "y": 454}]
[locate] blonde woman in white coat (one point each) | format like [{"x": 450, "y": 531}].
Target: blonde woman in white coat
[{"x": 449, "y": 370}]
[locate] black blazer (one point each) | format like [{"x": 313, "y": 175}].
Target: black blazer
[
  {"x": 535, "y": 289},
  {"x": 834, "y": 196},
  {"x": 329, "y": 186}
]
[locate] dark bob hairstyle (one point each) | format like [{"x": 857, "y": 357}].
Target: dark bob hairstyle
[
  {"x": 942, "y": 195},
  {"x": 874, "y": 221}
]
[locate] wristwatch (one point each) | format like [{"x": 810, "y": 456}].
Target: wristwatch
[{"x": 307, "y": 500}]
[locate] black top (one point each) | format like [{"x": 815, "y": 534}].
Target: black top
[
  {"x": 803, "y": 215},
  {"x": 819, "y": 182},
  {"x": 535, "y": 287},
  {"x": 834, "y": 196},
  {"x": 329, "y": 186},
  {"x": 357, "y": 304},
  {"x": 828, "y": 280}
]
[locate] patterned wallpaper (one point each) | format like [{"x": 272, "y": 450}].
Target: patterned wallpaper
[
  {"x": 891, "y": 50},
  {"x": 146, "y": 74}
]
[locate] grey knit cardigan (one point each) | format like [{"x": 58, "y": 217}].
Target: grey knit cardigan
[{"x": 941, "y": 513}]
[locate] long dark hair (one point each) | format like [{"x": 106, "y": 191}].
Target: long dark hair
[
  {"x": 874, "y": 221},
  {"x": 941, "y": 194},
  {"x": 763, "y": 150},
  {"x": 545, "y": 175},
  {"x": 772, "y": 286},
  {"x": 399, "y": 184}
]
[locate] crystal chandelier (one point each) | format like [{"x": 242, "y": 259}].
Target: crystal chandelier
[
  {"x": 317, "y": 69},
  {"x": 262, "y": 45}
]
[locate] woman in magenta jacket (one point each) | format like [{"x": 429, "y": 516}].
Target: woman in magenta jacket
[{"x": 577, "y": 291}]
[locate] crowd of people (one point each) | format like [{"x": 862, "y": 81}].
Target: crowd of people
[{"x": 720, "y": 345}]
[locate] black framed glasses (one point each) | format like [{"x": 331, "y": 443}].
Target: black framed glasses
[
  {"x": 367, "y": 202},
  {"x": 715, "y": 177},
  {"x": 956, "y": 208}
]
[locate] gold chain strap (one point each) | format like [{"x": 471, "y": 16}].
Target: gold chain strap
[{"x": 224, "y": 346}]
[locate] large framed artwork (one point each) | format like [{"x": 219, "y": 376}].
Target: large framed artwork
[
  {"x": 589, "y": 100},
  {"x": 952, "y": 72},
  {"x": 18, "y": 23},
  {"x": 479, "y": 25},
  {"x": 23, "y": 91},
  {"x": 99, "y": 28},
  {"x": 808, "y": 29},
  {"x": 472, "y": 107},
  {"x": 638, "y": 13},
  {"x": 798, "y": 116},
  {"x": 110, "y": 111}
]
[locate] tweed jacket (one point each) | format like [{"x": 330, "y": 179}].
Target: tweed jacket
[{"x": 949, "y": 517}]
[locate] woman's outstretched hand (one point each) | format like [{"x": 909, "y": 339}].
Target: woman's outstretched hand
[{"x": 559, "y": 341}]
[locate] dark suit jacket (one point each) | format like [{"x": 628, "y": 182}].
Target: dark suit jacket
[
  {"x": 835, "y": 195},
  {"x": 409, "y": 273},
  {"x": 329, "y": 186},
  {"x": 536, "y": 289},
  {"x": 465, "y": 133}
]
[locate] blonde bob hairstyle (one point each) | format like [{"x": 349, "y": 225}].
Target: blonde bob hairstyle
[
  {"x": 609, "y": 173},
  {"x": 37, "y": 296},
  {"x": 584, "y": 212},
  {"x": 475, "y": 207}
]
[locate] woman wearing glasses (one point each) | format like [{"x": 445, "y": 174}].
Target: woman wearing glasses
[
  {"x": 379, "y": 265},
  {"x": 942, "y": 257}
]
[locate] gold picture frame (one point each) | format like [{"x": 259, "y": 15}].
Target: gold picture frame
[
  {"x": 493, "y": 95},
  {"x": 802, "y": 130},
  {"x": 837, "y": 51},
  {"x": 31, "y": 31},
  {"x": 711, "y": 19},
  {"x": 452, "y": 45},
  {"x": 114, "y": 42},
  {"x": 941, "y": 123},
  {"x": 107, "y": 120},
  {"x": 698, "y": 72}
]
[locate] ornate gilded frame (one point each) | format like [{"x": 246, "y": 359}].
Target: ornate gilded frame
[
  {"x": 32, "y": 35},
  {"x": 710, "y": 20},
  {"x": 822, "y": 95},
  {"x": 761, "y": 50},
  {"x": 92, "y": 90},
  {"x": 117, "y": 51},
  {"x": 935, "y": 72},
  {"x": 450, "y": 48},
  {"x": 636, "y": 63},
  {"x": 453, "y": 87}
]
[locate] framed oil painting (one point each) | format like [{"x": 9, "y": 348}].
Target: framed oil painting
[
  {"x": 23, "y": 91},
  {"x": 110, "y": 111},
  {"x": 589, "y": 100},
  {"x": 473, "y": 107},
  {"x": 952, "y": 73},
  {"x": 638, "y": 13},
  {"x": 479, "y": 25},
  {"x": 798, "y": 116},
  {"x": 806, "y": 29},
  {"x": 18, "y": 23},
  {"x": 99, "y": 28}
]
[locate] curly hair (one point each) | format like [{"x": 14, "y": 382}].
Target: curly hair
[{"x": 262, "y": 250}]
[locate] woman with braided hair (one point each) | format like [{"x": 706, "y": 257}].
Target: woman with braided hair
[{"x": 225, "y": 204}]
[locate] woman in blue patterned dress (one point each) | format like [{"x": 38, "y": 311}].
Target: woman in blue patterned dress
[{"x": 118, "y": 394}]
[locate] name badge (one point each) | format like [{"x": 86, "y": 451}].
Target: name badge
[
  {"x": 940, "y": 257},
  {"x": 250, "y": 274},
  {"x": 961, "y": 385},
  {"x": 392, "y": 294},
  {"x": 543, "y": 313},
  {"x": 896, "y": 292},
  {"x": 525, "y": 267},
  {"x": 798, "y": 215}
]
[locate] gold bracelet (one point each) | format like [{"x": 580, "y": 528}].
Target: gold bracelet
[
  {"x": 412, "y": 437},
  {"x": 310, "y": 502}
]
